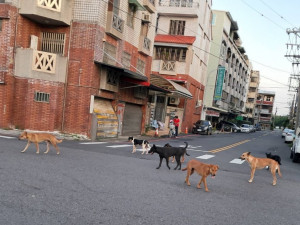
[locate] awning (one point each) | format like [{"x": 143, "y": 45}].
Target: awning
[
  {"x": 218, "y": 109},
  {"x": 137, "y": 4},
  {"x": 125, "y": 72},
  {"x": 174, "y": 88}
]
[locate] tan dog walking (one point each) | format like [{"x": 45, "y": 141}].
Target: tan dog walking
[
  {"x": 40, "y": 137},
  {"x": 202, "y": 169},
  {"x": 260, "y": 163}
]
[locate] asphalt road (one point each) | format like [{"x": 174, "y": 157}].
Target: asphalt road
[{"x": 104, "y": 183}]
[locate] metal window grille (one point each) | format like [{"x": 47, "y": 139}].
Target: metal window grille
[
  {"x": 170, "y": 54},
  {"x": 177, "y": 27},
  {"x": 112, "y": 77},
  {"x": 53, "y": 42},
  {"x": 130, "y": 16},
  {"x": 110, "y": 54},
  {"x": 41, "y": 97},
  {"x": 141, "y": 66},
  {"x": 126, "y": 59}
]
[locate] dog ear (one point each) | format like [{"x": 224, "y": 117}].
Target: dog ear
[{"x": 248, "y": 153}]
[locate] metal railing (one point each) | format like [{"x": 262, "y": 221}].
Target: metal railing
[
  {"x": 118, "y": 23},
  {"x": 54, "y": 5},
  {"x": 168, "y": 65},
  {"x": 147, "y": 43}
]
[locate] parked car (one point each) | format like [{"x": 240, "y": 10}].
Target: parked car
[
  {"x": 284, "y": 132},
  {"x": 257, "y": 127},
  {"x": 202, "y": 127},
  {"x": 228, "y": 126},
  {"x": 289, "y": 136},
  {"x": 295, "y": 150},
  {"x": 245, "y": 128},
  {"x": 252, "y": 128}
]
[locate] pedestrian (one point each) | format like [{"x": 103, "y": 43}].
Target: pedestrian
[{"x": 176, "y": 121}]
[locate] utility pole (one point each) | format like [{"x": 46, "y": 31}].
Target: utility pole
[{"x": 293, "y": 55}]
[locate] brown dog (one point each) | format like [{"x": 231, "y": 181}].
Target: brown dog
[
  {"x": 202, "y": 169},
  {"x": 260, "y": 163},
  {"x": 40, "y": 137}
]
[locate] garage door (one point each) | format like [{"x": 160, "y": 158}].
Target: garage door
[{"x": 132, "y": 120}]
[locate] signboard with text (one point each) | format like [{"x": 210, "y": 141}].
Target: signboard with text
[{"x": 219, "y": 83}]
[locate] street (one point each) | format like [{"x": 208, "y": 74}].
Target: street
[{"x": 104, "y": 183}]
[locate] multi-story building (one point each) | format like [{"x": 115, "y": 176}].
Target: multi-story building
[
  {"x": 180, "y": 60},
  {"x": 252, "y": 95},
  {"x": 76, "y": 66},
  {"x": 228, "y": 71},
  {"x": 264, "y": 108}
]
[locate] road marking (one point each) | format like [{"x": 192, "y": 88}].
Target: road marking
[
  {"x": 92, "y": 143},
  {"x": 118, "y": 146},
  {"x": 205, "y": 156},
  {"x": 7, "y": 137},
  {"x": 237, "y": 161},
  {"x": 229, "y": 146}
]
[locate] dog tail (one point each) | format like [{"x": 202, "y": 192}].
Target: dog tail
[
  {"x": 278, "y": 169},
  {"x": 59, "y": 140},
  {"x": 184, "y": 169},
  {"x": 186, "y": 145}
]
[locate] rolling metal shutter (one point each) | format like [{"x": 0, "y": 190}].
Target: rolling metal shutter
[{"x": 132, "y": 120}]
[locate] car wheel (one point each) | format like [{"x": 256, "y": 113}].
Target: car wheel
[
  {"x": 292, "y": 154},
  {"x": 207, "y": 132}
]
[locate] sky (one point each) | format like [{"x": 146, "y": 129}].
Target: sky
[{"x": 262, "y": 29}]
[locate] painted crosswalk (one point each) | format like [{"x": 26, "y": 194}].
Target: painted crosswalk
[
  {"x": 92, "y": 143},
  {"x": 7, "y": 137}
]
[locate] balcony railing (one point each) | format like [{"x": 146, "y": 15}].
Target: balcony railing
[
  {"x": 168, "y": 66},
  {"x": 178, "y": 3},
  {"x": 44, "y": 61},
  {"x": 114, "y": 25},
  {"x": 50, "y": 4},
  {"x": 185, "y": 8}
]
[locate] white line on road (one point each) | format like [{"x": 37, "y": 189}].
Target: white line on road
[
  {"x": 205, "y": 156},
  {"x": 6, "y": 137},
  {"x": 237, "y": 161},
  {"x": 118, "y": 146},
  {"x": 92, "y": 143}
]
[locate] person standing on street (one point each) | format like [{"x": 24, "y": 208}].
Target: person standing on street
[{"x": 176, "y": 121}]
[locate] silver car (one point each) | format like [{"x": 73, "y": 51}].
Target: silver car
[{"x": 245, "y": 128}]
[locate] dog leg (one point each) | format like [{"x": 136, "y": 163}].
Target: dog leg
[
  {"x": 187, "y": 181},
  {"x": 28, "y": 143},
  {"x": 37, "y": 148},
  {"x": 133, "y": 149},
  {"x": 173, "y": 159},
  {"x": 252, "y": 175},
  {"x": 273, "y": 171},
  {"x": 205, "y": 184},
  {"x": 160, "y": 161},
  {"x": 199, "y": 184},
  {"x": 47, "y": 147},
  {"x": 182, "y": 158},
  {"x": 178, "y": 162},
  {"x": 57, "y": 149},
  {"x": 167, "y": 161}
]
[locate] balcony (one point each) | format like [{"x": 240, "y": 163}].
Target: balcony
[
  {"x": 184, "y": 8},
  {"x": 265, "y": 119},
  {"x": 149, "y": 5},
  {"x": 167, "y": 67},
  {"x": 260, "y": 102},
  {"x": 35, "y": 64},
  {"x": 114, "y": 25},
  {"x": 48, "y": 12},
  {"x": 144, "y": 45}
]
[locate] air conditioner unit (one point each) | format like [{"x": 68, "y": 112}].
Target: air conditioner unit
[
  {"x": 174, "y": 101},
  {"x": 198, "y": 103},
  {"x": 146, "y": 18}
]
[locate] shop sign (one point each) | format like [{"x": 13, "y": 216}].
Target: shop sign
[
  {"x": 219, "y": 83},
  {"x": 212, "y": 113}
]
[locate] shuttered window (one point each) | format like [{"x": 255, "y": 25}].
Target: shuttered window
[
  {"x": 177, "y": 27},
  {"x": 41, "y": 97},
  {"x": 53, "y": 42}
]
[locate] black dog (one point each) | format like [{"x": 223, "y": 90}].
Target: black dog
[
  {"x": 274, "y": 157},
  {"x": 143, "y": 143},
  {"x": 166, "y": 152}
]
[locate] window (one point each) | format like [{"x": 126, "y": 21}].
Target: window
[
  {"x": 110, "y": 54},
  {"x": 268, "y": 98},
  {"x": 140, "y": 67},
  {"x": 213, "y": 21},
  {"x": 41, "y": 97},
  {"x": 130, "y": 15},
  {"x": 177, "y": 27},
  {"x": 53, "y": 42},
  {"x": 126, "y": 59},
  {"x": 170, "y": 54},
  {"x": 112, "y": 77}
]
